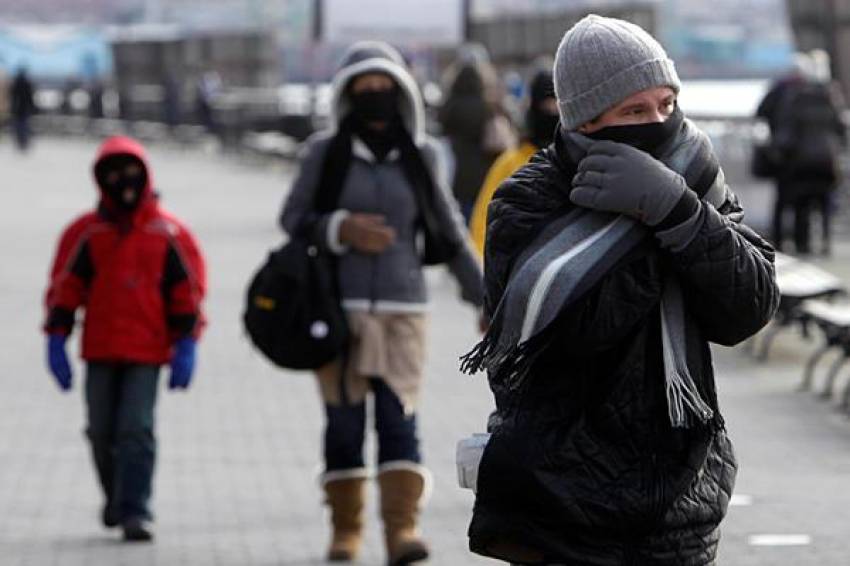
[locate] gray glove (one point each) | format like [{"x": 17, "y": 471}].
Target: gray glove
[{"x": 616, "y": 177}]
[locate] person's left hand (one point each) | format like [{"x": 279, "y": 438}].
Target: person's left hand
[
  {"x": 616, "y": 177},
  {"x": 57, "y": 361},
  {"x": 182, "y": 363}
]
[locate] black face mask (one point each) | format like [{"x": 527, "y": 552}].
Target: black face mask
[
  {"x": 126, "y": 198},
  {"x": 123, "y": 189},
  {"x": 375, "y": 105},
  {"x": 645, "y": 137},
  {"x": 541, "y": 127}
]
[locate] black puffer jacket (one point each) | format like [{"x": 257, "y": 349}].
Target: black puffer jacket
[{"x": 585, "y": 468}]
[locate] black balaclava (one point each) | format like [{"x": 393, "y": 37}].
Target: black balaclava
[
  {"x": 646, "y": 137},
  {"x": 540, "y": 123},
  {"x": 376, "y": 106},
  {"x": 126, "y": 192}
]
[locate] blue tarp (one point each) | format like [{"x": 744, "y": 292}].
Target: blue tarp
[{"x": 55, "y": 52}]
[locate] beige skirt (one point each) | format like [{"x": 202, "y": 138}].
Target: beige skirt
[{"x": 389, "y": 346}]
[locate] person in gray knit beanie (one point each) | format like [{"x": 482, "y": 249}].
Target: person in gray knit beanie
[
  {"x": 611, "y": 260},
  {"x": 601, "y": 61}
]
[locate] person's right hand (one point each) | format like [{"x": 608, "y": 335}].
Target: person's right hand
[
  {"x": 616, "y": 177},
  {"x": 57, "y": 360},
  {"x": 366, "y": 233}
]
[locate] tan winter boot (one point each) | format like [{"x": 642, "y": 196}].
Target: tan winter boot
[
  {"x": 401, "y": 492},
  {"x": 345, "y": 498}
]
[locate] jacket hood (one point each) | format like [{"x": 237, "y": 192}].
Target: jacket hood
[
  {"x": 122, "y": 145},
  {"x": 467, "y": 82},
  {"x": 378, "y": 57}
]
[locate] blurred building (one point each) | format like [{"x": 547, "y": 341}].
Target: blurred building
[
  {"x": 150, "y": 54},
  {"x": 720, "y": 39},
  {"x": 727, "y": 38},
  {"x": 159, "y": 65},
  {"x": 516, "y": 33},
  {"x": 91, "y": 12}
]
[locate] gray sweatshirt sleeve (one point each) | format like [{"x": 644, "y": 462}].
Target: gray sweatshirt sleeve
[
  {"x": 465, "y": 266},
  {"x": 298, "y": 206}
]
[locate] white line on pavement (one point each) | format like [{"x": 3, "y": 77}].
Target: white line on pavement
[
  {"x": 779, "y": 540},
  {"x": 741, "y": 500}
]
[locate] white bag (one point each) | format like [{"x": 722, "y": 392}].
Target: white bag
[{"x": 469, "y": 453}]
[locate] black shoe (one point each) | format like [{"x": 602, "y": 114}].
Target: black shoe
[
  {"x": 137, "y": 530},
  {"x": 110, "y": 517}
]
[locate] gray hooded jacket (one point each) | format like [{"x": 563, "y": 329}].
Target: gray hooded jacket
[{"x": 392, "y": 281}]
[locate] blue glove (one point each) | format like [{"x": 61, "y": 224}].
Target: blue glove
[
  {"x": 57, "y": 361},
  {"x": 182, "y": 363}
]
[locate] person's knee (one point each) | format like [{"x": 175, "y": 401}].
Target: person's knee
[
  {"x": 395, "y": 426},
  {"x": 137, "y": 438}
]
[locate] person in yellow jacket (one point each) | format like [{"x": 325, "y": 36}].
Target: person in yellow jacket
[{"x": 541, "y": 122}]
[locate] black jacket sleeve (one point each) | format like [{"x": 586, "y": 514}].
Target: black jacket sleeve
[
  {"x": 727, "y": 275},
  {"x": 175, "y": 276},
  {"x": 298, "y": 209}
]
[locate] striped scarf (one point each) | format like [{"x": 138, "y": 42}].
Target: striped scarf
[{"x": 571, "y": 255}]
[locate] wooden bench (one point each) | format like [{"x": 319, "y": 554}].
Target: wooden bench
[{"x": 798, "y": 282}]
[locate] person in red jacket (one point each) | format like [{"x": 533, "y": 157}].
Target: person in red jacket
[{"x": 139, "y": 274}]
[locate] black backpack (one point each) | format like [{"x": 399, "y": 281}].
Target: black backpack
[{"x": 292, "y": 308}]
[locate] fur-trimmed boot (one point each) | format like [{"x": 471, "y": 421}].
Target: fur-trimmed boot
[
  {"x": 345, "y": 498},
  {"x": 401, "y": 493}
]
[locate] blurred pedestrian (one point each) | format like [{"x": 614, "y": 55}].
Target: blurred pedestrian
[
  {"x": 611, "y": 447},
  {"x": 95, "y": 91},
  {"x": 139, "y": 274},
  {"x": 207, "y": 91},
  {"x": 541, "y": 120},
  {"x": 22, "y": 107},
  {"x": 806, "y": 134},
  {"x": 392, "y": 217},
  {"x": 476, "y": 125},
  {"x": 171, "y": 101}
]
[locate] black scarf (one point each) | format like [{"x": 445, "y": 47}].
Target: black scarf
[
  {"x": 440, "y": 246},
  {"x": 650, "y": 138}
]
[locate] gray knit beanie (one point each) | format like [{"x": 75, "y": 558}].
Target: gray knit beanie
[{"x": 602, "y": 61}]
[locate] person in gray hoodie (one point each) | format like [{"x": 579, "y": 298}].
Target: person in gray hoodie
[{"x": 391, "y": 217}]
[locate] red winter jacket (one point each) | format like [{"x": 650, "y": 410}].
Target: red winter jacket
[{"x": 140, "y": 277}]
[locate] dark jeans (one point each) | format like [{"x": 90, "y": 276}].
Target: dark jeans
[
  {"x": 345, "y": 431},
  {"x": 121, "y": 400}
]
